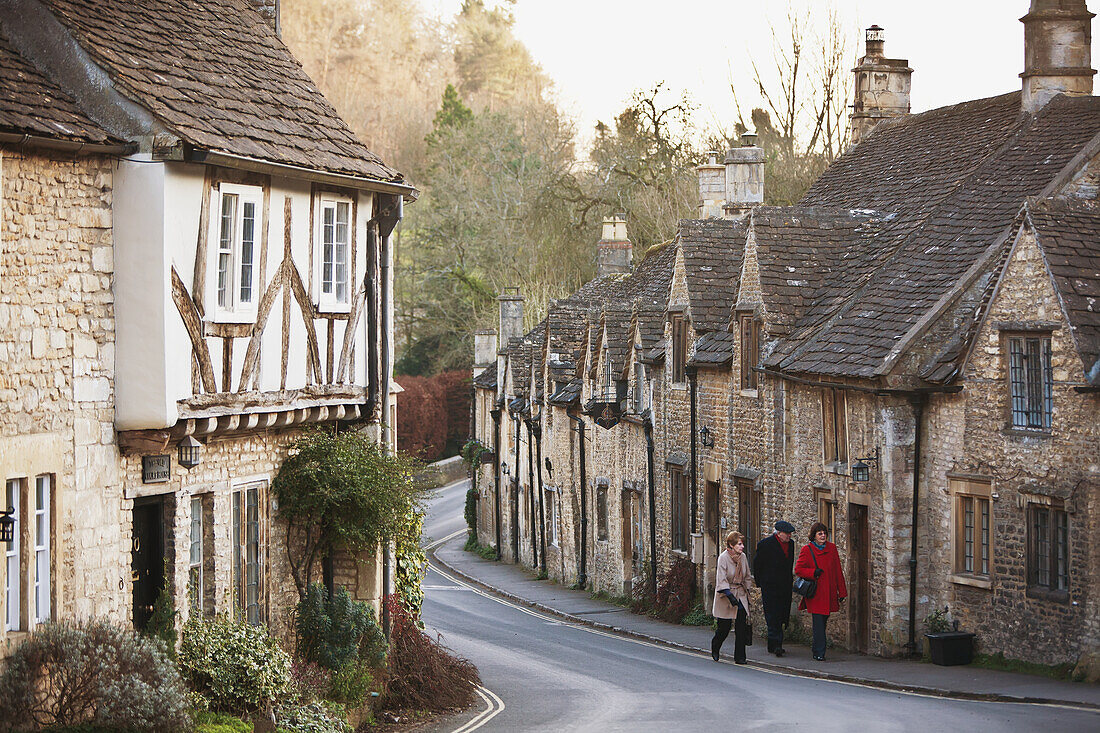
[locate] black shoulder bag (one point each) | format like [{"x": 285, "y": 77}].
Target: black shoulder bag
[{"x": 803, "y": 587}]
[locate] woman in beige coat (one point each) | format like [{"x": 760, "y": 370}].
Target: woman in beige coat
[{"x": 731, "y": 598}]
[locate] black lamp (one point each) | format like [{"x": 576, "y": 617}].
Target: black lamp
[
  {"x": 7, "y": 525},
  {"x": 861, "y": 472},
  {"x": 190, "y": 450},
  {"x": 705, "y": 437}
]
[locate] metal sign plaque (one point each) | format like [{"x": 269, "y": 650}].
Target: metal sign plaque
[
  {"x": 607, "y": 415},
  {"x": 155, "y": 469}
]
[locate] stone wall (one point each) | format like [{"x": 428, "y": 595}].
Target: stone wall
[{"x": 56, "y": 360}]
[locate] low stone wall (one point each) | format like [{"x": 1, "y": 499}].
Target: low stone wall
[{"x": 441, "y": 473}]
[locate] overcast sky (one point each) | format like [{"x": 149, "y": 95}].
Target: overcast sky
[{"x": 599, "y": 51}]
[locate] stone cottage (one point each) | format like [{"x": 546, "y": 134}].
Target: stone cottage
[
  {"x": 196, "y": 268},
  {"x": 908, "y": 355}
]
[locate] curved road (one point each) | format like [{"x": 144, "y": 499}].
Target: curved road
[{"x": 549, "y": 675}]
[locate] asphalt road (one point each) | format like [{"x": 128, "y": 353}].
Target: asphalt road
[{"x": 542, "y": 674}]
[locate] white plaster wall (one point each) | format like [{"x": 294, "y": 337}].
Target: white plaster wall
[{"x": 142, "y": 288}]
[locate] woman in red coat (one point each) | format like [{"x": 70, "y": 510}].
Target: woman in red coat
[{"x": 819, "y": 560}]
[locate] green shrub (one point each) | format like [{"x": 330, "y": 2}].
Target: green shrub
[
  {"x": 237, "y": 666},
  {"x": 697, "y": 616},
  {"x": 411, "y": 561},
  {"x": 92, "y": 674},
  {"x": 314, "y": 717},
  {"x": 162, "y": 623},
  {"x": 208, "y": 722},
  {"x": 938, "y": 621},
  {"x": 351, "y": 684},
  {"x": 310, "y": 681},
  {"x": 335, "y": 632},
  {"x": 470, "y": 513}
]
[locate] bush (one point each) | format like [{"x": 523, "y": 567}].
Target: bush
[
  {"x": 697, "y": 616},
  {"x": 237, "y": 666},
  {"x": 422, "y": 673},
  {"x": 207, "y": 722},
  {"x": 92, "y": 673},
  {"x": 434, "y": 418},
  {"x": 676, "y": 592},
  {"x": 162, "y": 624},
  {"x": 309, "y": 681},
  {"x": 331, "y": 632},
  {"x": 470, "y": 513},
  {"x": 314, "y": 717},
  {"x": 351, "y": 684}
]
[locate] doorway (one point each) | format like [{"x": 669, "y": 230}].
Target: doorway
[
  {"x": 859, "y": 557},
  {"x": 147, "y": 557},
  {"x": 626, "y": 533},
  {"x": 712, "y": 546},
  {"x": 748, "y": 514}
]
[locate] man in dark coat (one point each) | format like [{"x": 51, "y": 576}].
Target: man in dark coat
[{"x": 773, "y": 570}]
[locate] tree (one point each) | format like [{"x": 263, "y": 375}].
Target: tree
[{"x": 340, "y": 490}]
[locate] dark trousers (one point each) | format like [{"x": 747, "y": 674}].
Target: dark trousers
[
  {"x": 740, "y": 635},
  {"x": 774, "y": 617},
  {"x": 818, "y": 646}
]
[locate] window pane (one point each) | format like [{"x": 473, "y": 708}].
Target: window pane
[
  {"x": 968, "y": 534},
  {"x": 238, "y": 573},
  {"x": 328, "y": 238},
  {"x": 248, "y": 241},
  {"x": 985, "y": 536},
  {"x": 1042, "y": 546},
  {"x": 340, "y": 273},
  {"x": 42, "y": 549},
  {"x": 1033, "y": 366},
  {"x": 225, "y": 248},
  {"x": 1061, "y": 549},
  {"x": 12, "y": 562},
  {"x": 1048, "y": 385},
  {"x": 1016, "y": 382}
]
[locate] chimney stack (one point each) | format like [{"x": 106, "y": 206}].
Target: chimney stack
[
  {"x": 1057, "y": 51},
  {"x": 744, "y": 178},
  {"x": 269, "y": 9},
  {"x": 511, "y": 315},
  {"x": 882, "y": 86},
  {"x": 485, "y": 350},
  {"x": 614, "y": 252},
  {"x": 712, "y": 186}
]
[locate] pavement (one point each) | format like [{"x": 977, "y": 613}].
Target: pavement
[{"x": 520, "y": 585}]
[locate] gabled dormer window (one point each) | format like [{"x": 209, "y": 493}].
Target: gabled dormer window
[
  {"x": 333, "y": 253},
  {"x": 1030, "y": 381},
  {"x": 679, "y": 348},
  {"x": 749, "y": 349},
  {"x": 638, "y": 396},
  {"x": 236, "y": 228}
]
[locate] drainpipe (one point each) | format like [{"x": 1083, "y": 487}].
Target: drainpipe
[
  {"x": 496, "y": 472},
  {"x": 918, "y": 401},
  {"x": 542, "y": 515},
  {"x": 515, "y": 492},
  {"x": 582, "y": 576},
  {"x": 531, "y": 493},
  {"x": 647, "y": 426},
  {"x": 693, "y": 375}
]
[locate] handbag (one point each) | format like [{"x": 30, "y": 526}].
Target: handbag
[
  {"x": 804, "y": 587},
  {"x": 748, "y": 626}
]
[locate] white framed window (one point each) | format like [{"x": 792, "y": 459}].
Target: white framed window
[
  {"x": 43, "y": 535},
  {"x": 248, "y": 533},
  {"x": 235, "y": 235},
  {"x": 194, "y": 564},
  {"x": 13, "y": 496},
  {"x": 333, "y": 253}
]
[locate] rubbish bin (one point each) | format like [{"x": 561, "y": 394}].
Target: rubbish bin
[{"x": 951, "y": 647}]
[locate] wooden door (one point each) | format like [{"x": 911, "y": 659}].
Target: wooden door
[
  {"x": 859, "y": 578},
  {"x": 147, "y": 558}
]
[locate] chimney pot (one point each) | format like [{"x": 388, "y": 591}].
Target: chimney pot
[
  {"x": 1057, "y": 51},
  {"x": 614, "y": 252},
  {"x": 882, "y": 86},
  {"x": 744, "y": 178}
]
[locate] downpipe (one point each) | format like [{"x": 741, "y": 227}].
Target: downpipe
[
  {"x": 496, "y": 473},
  {"x": 582, "y": 575},
  {"x": 918, "y": 401},
  {"x": 531, "y": 494},
  {"x": 693, "y": 377},
  {"x": 647, "y": 426},
  {"x": 542, "y": 514}
]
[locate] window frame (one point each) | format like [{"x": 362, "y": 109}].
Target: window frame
[
  {"x": 552, "y": 510},
  {"x": 240, "y": 542},
  {"x": 834, "y": 426},
  {"x": 971, "y": 537},
  {"x": 234, "y": 308},
  {"x": 680, "y": 510},
  {"x": 14, "y": 492},
  {"x": 748, "y": 329},
  {"x": 638, "y": 393},
  {"x": 1021, "y": 414},
  {"x": 603, "y": 516},
  {"x": 679, "y": 338},
  {"x": 826, "y": 509},
  {"x": 1057, "y": 585},
  {"x": 42, "y": 546},
  {"x": 330, "y": 302}
]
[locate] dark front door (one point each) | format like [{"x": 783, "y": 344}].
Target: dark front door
[
  {"x": 859, "y": 556},
  {"x": 147, "y": 558},
  {"x": 748, "y": 514},
  {"x": 711, "y": 513}
]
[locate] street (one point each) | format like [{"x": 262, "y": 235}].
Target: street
[{"x": 541, "y": 673}]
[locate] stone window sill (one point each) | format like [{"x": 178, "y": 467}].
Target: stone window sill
[
  {"x": 753, "y": 393},
  {"x": 681, "y": 386},
  {"x": 1046, "y": 594},
  {"x": 1023, "y": 433},
  {"x": 680, "y": 553},
  {"x": 974, "y": 581},
  {"x": 840, "y": 469}
]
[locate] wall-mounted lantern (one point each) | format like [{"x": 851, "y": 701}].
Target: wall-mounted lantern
[
  {"x": 549, "y": 467},
  {"x": 190, "y": 451},
  {"x": 706, "y": 437},
  {"x": 861, "y": 472},
  {"x": 7, "y": 525}
]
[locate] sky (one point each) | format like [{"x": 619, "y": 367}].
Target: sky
[{"x": 599, "y": 51}]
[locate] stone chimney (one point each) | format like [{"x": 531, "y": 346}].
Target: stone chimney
[
  {"x": 882, "y": 86},
  {"x": 485, "y": 350},
  {"x": 744, "y": 178},
  {"x": 712, "y": 186},
  {"x": 511, "y": 315},
  {"x": 269, "y": 9},
  {"x": 1057, "y": 51},
  {"x": 614, "y": 252}
]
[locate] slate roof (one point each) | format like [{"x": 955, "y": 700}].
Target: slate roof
[
  {"x": 713, "y": 349},
  {"x": 33, "y": 105},
  {"x": 952, "y": 202},
  {"x": 714, "y": 251},
  {"x": 216, "y": 74},
  {"x": 488, "y": 378},
  {"x": 1069, "y": 235},
  {"x": 567, "y": 395},
  {"x": 616, "y": 326}
]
